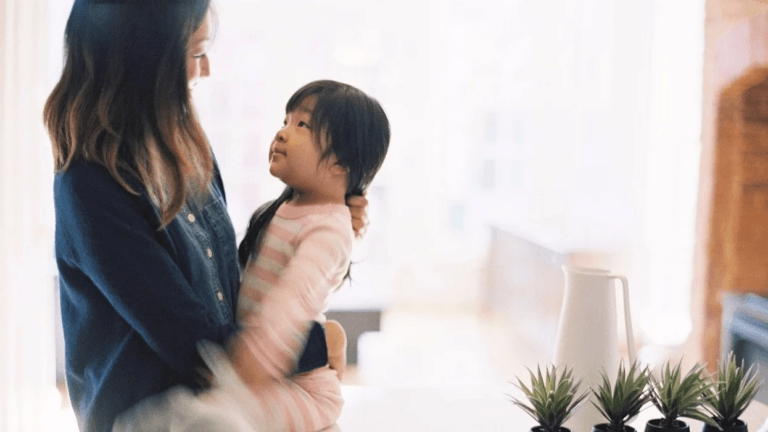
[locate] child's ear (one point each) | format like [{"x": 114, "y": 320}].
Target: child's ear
[{"x": 339, "y": 170}]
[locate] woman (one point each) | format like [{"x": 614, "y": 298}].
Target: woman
[{"x": 145, "y": 249}]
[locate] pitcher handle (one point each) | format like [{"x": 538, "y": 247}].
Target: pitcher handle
[{"x": 627, "y": 318}]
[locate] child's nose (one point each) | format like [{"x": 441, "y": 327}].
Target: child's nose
[{"x": 281, "y": 134}]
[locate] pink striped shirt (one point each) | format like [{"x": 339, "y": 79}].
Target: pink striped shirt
[{"x": 303, "y": 257}]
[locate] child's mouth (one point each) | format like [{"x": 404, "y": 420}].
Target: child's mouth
[{"x": 275, "y": 152}]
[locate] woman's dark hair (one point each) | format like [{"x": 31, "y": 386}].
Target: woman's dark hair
[
  {"x": 357, "y": 131},
  {"x": 123, "y": 99}
]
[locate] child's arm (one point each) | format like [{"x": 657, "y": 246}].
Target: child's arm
[
  {"x": 270, "y": 342},
  {"x": 244, "y": 364},
  {"x": 242, "y": 360}
]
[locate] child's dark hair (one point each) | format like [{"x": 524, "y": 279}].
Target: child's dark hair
[{"x": 357, "y": 131}]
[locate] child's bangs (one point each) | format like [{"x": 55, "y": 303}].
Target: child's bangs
[{"x": 321, "y": 112}]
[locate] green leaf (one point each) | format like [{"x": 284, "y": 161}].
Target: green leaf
[
  {"x": 625, "y": 399},
  {"x": 551, "y": 397},
  {"x": 677, "y": 395},
  {"x": 732, "y": 392}
]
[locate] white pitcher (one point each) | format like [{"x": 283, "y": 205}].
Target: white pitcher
[{"x": 587, "y": 334}]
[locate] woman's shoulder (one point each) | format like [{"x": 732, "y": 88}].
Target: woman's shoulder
[
  {"x": 81, "y": 171},
  {"x": 86, "y": 184},
  {"x": 92, "y": 174}
]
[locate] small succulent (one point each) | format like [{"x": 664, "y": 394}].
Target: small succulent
[
  {"x": 553, "y": 399},
  {"x": 623, "y": 401},
  {"x": 733, "y": 391},
  {"x": 677, "y": 396}
]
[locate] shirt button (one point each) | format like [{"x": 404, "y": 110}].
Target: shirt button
[
  {"x": 191, "y": 218},
  {"x": 220, "y": 296},
  {"x": 210, "y": 253}
]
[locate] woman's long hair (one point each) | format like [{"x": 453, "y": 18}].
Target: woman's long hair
[
  {"x": 123, "y": 99},
  {"x": 357, "y": 130}
]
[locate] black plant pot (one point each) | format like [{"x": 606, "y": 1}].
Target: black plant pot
[
  {"x": 604, "y": 427},
  {"x": 656, "y": 425},
  {"x": 740, "y": 426},
  {"x": 541, "y": 429}
]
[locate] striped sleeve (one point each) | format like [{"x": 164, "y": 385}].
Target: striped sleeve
[{"x": 276, "y": 332}]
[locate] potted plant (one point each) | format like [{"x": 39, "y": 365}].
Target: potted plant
[
  {"x": 623, "y": 401},
  {"x": 677, "y": 396},
  {"x": 553, "y": 399},
  {"x": 730, "y": 395}
]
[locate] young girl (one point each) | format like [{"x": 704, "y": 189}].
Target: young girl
[
  {"x": 295, "y": 253},
  {"x": 333, "y": 141}
]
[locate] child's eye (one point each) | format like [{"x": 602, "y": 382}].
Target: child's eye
[
  {"x": 200, "y": 56},
  {"x": 302, "y": 124}
]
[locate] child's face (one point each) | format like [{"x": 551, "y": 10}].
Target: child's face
[{"x": 295, "y": 157}]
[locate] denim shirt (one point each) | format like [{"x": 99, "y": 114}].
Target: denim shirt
[{"x": 135, "y": 300}]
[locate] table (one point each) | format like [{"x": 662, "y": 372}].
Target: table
[{"x": 460, "y": 409}]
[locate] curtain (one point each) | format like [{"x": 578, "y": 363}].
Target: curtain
[{"x": 29, "y": 400}]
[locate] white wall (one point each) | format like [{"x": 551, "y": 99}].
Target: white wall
[
  {"x": 672, "y": 157},
  {"x": 29, "y": 400}
]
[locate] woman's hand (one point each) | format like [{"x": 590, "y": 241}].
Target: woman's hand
[
  {"x": 336, "y": 340},
  {"x": 358, "y": 206},
  {"x": 204, "y": 378}
]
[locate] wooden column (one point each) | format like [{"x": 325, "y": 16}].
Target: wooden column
[
  {"x": 736, "y": 40},
  {"x": 738, "y": 244}
]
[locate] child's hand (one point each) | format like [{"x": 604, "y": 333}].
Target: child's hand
[
  {"x": 358, "y": 206},
  {"x": 336, "y": 340}
]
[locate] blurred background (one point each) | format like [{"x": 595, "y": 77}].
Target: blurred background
[
  {"x": 525, "y": 135},
  {"x": 568, "y": 129}
]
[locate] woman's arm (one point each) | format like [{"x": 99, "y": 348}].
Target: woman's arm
[
  {"x": 135, "y": 300},
  {"x": 114, "y": 263}
]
